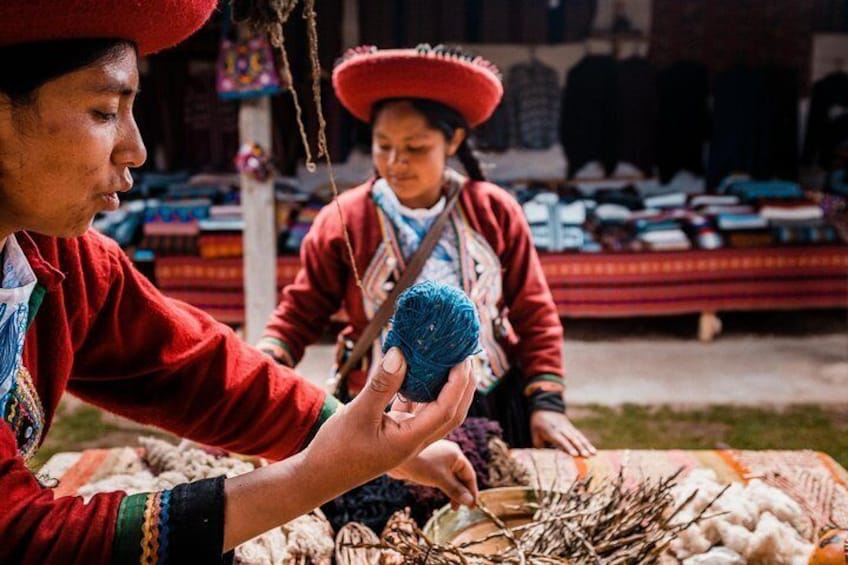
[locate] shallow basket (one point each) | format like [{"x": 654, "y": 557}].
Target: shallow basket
[{"x": 513, "y": 505}]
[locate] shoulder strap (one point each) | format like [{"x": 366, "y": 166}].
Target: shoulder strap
[{"x": 413, "y": 269}]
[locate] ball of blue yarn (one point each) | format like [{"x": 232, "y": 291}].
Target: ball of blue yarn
[{"x": 436, "y": 327}]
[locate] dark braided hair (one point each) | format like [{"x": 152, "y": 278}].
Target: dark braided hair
[
  {"x": 446, "y": 120},
  {"x": 26, "y": 67},
  {"x": 466, "y": 156}
]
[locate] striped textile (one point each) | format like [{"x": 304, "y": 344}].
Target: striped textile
[
  {"x": 644, "y": 284},
  {"x": 596, "y": 285}
]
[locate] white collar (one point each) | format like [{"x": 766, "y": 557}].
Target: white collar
[{"x": 414, "y": 213}]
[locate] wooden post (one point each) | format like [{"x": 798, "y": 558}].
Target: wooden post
[{"x": 260, "y": 231}]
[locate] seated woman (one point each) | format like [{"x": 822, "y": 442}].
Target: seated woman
[
  {"x": 421, "y": 104},
  {"x": 76, "y": 316}
]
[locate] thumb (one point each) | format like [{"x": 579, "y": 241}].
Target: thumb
[{"x": 383, "y": 385}]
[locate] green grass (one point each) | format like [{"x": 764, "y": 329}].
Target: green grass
[
  {"x": 84, "y": 427},
  {"x": 631, "y": 426},
  {"x": 71, "y": 430},
  {"x": 640, "y": 427}
]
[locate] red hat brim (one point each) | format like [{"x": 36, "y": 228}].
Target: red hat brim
[
  {"x": 364, "y": 78},
  {"x": 152, "y": 25}
]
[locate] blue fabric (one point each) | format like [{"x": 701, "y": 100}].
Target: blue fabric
[
  {"x": 443, "y": 263},
  {"x": 18, "y": 282},
  {"x": 752, "y": 190}
]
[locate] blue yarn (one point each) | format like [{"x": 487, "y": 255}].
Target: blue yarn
[{"x": 436, "y": 327}]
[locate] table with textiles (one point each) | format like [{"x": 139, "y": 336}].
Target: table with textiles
[
  {"x": 705, "y": 282},
  {"x": 630, "y": 284},
  {"x": 815, "y": 480},
  {"x": 597, "y": 284}
]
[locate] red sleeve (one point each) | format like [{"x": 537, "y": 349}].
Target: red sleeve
[
  {"x": 317, "y": 292},
  {"x": 37, "y": 528},
  {"x": 532, "y": 311},
  {"x": 127, "y": 348},
  {"x": 162, "y": 362},
  {"x": 181, "y": 525}
]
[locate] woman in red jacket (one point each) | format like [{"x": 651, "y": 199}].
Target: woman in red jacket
[
  {"x": 421, "y": 104},
  {"x": 76, "y": 316}
]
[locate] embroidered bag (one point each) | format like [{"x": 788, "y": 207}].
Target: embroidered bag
[{"x": 245, "y": 66}]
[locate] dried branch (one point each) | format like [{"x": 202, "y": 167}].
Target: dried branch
[{"x": 607, "y": 522}]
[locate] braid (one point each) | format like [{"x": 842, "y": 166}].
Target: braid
[{"x": 466, "y": 156}]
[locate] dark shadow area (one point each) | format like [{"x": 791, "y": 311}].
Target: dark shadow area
[{"x": 757, "y": 323}]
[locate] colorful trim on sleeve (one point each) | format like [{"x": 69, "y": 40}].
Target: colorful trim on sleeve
[
  {"x": 35, "y": 300},
  {"x": 277, "y": 349},
  {"x": 330, "y": 407},
  {"x": 545, "y": 382},
  {"x": 182, "y": 525},
  {"x": 545, "y": 392}
]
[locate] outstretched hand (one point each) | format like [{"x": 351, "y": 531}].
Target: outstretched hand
[
  {"x": 549, "y": 428},
  {"x": 442, "y": 465},
  {"x": 358, "y": 443},
  {"x": 370, "y": 441}
]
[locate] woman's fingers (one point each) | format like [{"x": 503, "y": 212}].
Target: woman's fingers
[
  {"x": 581, "y": 442},
  {"x": 437, "y": 418},
  {"x": 562, "y": 441},
  {"x": 381, "y": 388}
]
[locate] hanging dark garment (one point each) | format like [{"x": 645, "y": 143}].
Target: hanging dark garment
[
  {"x": 683, "y": 125},
  {"x": 533, "y": 104},
  {"x": 589, "y": 122},
  {"x": 778, "y": 156},
  {"x": 736, "y": 119},
  {"x": 494, "y": 133},
  {"x": 637, "y": 113},
  {"x": 755, "y": 124},
  {"x": 826, "y": 119}
]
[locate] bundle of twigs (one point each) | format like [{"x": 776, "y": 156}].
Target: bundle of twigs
[{"x": 610, "y": 523}]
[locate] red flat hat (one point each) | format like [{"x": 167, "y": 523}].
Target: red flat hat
[
  {"x": 469, "y": 85},
  {"x": 152, "y": 25}
]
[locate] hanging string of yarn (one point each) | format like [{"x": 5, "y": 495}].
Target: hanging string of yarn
[
  {"x": 436, "y": 327},
  {"x": 269, "y": 17}
]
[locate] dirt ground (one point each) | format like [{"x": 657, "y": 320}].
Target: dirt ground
[{"x": 762, "y": 358}]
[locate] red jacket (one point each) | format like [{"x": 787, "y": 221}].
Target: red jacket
[
  {"x": 325, "y": 282},
  {"x": 101, "y": 331}
]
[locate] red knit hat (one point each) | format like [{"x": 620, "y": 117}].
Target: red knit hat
[
  {"x": 152, "y": 25},
  {"x": 469, "y": 85}
]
